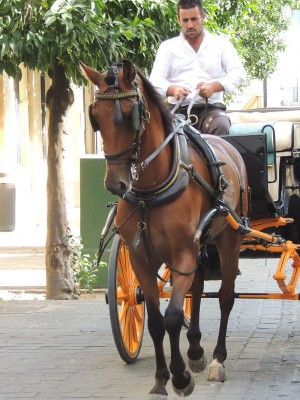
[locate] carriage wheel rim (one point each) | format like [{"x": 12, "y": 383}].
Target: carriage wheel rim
[{"x": 130, "y": 312}]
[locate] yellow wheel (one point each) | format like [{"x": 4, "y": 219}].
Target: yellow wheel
[
  {"x": 126, "y": 306},
  {"x": 187, "y": 309}
]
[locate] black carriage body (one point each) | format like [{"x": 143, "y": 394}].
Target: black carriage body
[
  {"x": 253, "y": 149},
  {"x": 273, "y": 173}
]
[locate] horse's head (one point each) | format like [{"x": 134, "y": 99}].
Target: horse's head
[{"x": 119, "y": 113}]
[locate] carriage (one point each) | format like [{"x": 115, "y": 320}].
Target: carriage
[
  {"x": 271, "y": 150},
  {"x": 266, "y": 159}
]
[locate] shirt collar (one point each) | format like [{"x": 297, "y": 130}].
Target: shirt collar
[{"x": 205, "y": 38}]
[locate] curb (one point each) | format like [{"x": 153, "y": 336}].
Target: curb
[{"x": 41, "y": 290}]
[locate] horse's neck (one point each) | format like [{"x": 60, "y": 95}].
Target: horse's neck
[{"x": 159, "y": 168}]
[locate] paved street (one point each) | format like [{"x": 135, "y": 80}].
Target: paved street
[{"x": 65, "y": 350}]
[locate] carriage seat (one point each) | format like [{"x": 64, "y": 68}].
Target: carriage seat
[{"x": 282, "y": 136}]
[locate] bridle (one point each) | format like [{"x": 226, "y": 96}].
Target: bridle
[{"x": 139, "y": 114}]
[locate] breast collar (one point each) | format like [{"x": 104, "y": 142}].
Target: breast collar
[{"x": 174, "y": 185}]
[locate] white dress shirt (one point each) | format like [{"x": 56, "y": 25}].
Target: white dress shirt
[{"x": 177, "y": 63}]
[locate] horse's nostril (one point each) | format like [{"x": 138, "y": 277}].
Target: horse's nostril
[
  {"x": 123, "y": 187},
  {"x": 118, "y": 188}
]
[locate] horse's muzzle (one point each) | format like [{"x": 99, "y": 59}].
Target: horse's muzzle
[{"x": 119, "y": 188}]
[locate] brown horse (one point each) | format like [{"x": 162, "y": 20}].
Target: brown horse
[{"x": 168, "y": 197}]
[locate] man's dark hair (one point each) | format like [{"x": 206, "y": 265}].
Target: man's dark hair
[{"x": 186, "y": 4}]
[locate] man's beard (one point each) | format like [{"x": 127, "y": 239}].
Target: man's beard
[{"x": 192, "y": 33}]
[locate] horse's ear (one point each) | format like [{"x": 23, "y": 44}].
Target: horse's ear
[
  {"x": 90, "y": 73},
  {"x": 129, "y": 71}
]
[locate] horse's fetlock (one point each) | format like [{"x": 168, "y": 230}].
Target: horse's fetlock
[
  {"x": 162, "y": 374},
  {"x": 220, "y": 355},
  {"x": 177, "y": 368},
  {"x": 194, "y": 335},
  {"x": 182, "y": 380},
  {"x": 195, "y": 353}
]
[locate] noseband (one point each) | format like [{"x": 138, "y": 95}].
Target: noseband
[{"x": 139, "y": 114}]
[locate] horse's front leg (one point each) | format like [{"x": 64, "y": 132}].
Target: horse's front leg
[
  {"x": 157, "y": 332},
  {"x": 147, "y": 278},
  {"x": 196, "y": 356},
  {"x": 183, "y": 382}
]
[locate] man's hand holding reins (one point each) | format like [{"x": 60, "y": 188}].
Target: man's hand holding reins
[
  {"x": 178, "y": 91},
  {"x": 208, "y": 89}
]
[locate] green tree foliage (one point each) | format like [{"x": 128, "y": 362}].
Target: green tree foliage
[
  {"x": 96, "y": 31},
  {"x": 256, "y": 28},
  {"x": 100, "y": 31},
  {"x": 51, "y": 36}
]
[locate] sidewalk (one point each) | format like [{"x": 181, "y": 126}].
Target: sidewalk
[
  {"x": 22, "y": 261},
  {"x": 64, "y": 350},
  {"x": 22, "y": 269}
]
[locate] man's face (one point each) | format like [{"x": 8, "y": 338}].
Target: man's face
[{"x": 191, "y": 22}]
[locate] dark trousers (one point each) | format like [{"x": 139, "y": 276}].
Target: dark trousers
[{"x": 211, "y": 119}]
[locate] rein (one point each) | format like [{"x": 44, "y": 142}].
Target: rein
[
  {"x": 193, "y": 101},
  {"x": 144, "y": 164}
]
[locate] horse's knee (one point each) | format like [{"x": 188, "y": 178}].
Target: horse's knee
[{"x": 173, "y": 319}]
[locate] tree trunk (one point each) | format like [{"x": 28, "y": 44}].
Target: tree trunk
[{"x": 59, "y": 275}]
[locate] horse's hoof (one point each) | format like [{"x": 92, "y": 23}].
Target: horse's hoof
[
  {"x": 198, "y": 365},
  {"x": 187, "y": 390},
  {"x": 216, "y": 372},
  {"x": 156, "y": 396}
]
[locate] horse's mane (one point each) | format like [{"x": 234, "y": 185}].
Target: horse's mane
[{"x": 167, "y": 116}]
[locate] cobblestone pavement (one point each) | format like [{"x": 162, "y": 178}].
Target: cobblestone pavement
[{"x": 65, "y": 350}]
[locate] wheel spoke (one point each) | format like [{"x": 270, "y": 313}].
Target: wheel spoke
[
  {"x": 138, "y": 313},
  {"x": 123, "y": 311}
]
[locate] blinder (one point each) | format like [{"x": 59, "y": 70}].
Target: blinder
[
  {"x": 136, "y": 116},
  {"x": 118, "y": 116}
]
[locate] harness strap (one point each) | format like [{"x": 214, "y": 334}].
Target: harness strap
[
  {"x": 178, "y": 271},
  {"x": 144, "y": 164},
  {"x": 116, "y": 156},
  {"x": 199, "y": 179},
  {"x": 207, "y": 151}
]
